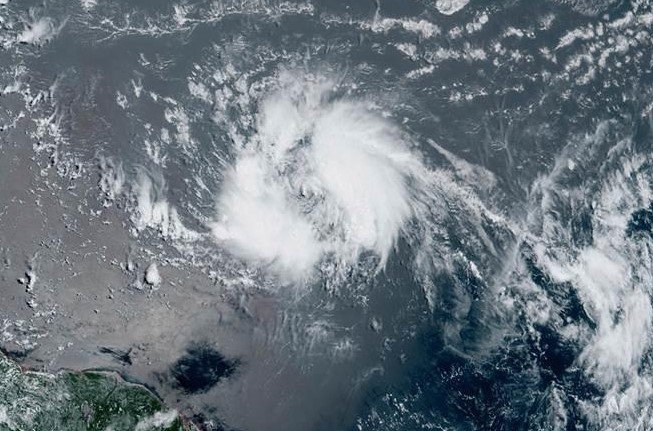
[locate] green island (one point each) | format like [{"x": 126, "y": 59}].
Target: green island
[{"x": 78, "y": 401}]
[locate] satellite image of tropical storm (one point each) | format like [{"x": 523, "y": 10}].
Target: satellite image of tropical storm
[{"x": 326, "y": 215}]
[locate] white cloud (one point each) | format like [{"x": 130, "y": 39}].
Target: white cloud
[
  {"x": 449, "y": 7},
  {"x": 153, "y": 210},
  {"x": 40, "y": 31},
  {"x": 88, "y": 4},
  {"x": 152, "y": 276},
  {"x": 258, "y": 221},
  {"x": 157, "y": 420},
  {"x": 321, "y": 178},
  {"x": 362, "y": 167}
]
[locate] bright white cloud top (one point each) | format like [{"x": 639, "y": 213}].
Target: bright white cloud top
[{"x": 323, "y": 177}]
